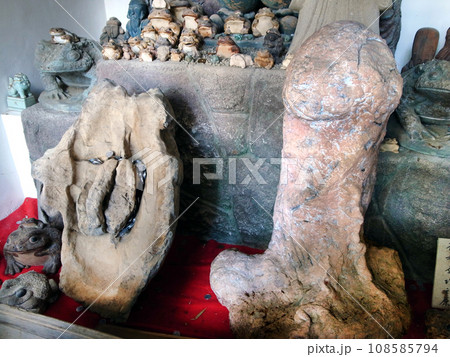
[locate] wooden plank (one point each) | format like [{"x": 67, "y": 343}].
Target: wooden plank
[
  {"x": 15, "y": 323},
  {"x": 125, "y": 332}
]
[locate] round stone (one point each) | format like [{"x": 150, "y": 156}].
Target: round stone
[
  {"x": 288, "y": 25},
  {"x": 276, "y": 4},
  {"x": 241, "y": 5}
]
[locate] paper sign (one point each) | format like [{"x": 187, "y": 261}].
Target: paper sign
[{"x": 441, "y": 288}]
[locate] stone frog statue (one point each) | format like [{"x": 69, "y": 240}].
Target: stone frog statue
[
  {"x": 425, "y": 100},
  {"x": 30, "y": 291},
  {"x": 67, "y": 71},
  {"x": 19, "y": 86},
  {"x": 34, "y": 243}
]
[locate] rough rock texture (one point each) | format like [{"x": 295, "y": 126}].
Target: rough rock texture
[
  {"x": 93, "y": 178},
  {"x": 408, "y": 211},
  {"x": 317, "y": 278},
  {"x": 30, "y": 291},
  {"x": 227, "y": 112},
  {"x": 438, "y": 323},
  {"x": 44, "y": 128}
]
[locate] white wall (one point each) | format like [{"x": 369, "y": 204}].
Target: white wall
[
  {"x": 417, "y": 14},
  {"x": 117, "y": 8},
  {"x": 11, "y": 194},
  {"x": 24, "y": 22}
]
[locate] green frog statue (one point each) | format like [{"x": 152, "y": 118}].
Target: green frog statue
[
  {"x": 33, "y": 243},
  {"x": 67, "y": 68},
  {"x": 424, "y": 110}
]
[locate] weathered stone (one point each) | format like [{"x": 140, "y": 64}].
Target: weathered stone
[
  {"x": 33, "y": 243},
  {"x": 59, "y": 64},
  {"x": 238, "y": 60},
  {"x": 44, "y": 128},
  {"x": 118, "y": 212},
  {"x": 408, "y": 211},
  {"x": 438, "y": 323},
  {"x": 444, "y": 53},
  {"x": 318, "y": 279},
  {"x": 30, "y": 291},
  {"x": 163, "y": 53}
]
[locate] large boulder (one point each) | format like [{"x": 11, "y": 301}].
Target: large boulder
[{"x": 114, "y": 180}]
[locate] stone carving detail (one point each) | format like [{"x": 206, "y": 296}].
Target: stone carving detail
[
  {"x": 114, "y": 178},
  {"x": 424, "y": 110},
  {"x": 318, "y": 279},
  {"x": 113, "y": 31},
  {"x": 19, "y": 86},
  {"x": 34, "y": 243},
  {"x": 67, "y": 71},
  {"x": 30, "y": 291}
]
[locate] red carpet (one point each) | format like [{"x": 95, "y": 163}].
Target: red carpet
[{"x": 179, "y": 300}]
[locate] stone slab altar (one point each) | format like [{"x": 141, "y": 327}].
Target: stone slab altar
[{"x": 223, "y": 112}]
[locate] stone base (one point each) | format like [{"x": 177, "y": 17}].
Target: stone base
[
  {"x": 44, "y": 128},
  {"x": 15, "y": 103}
]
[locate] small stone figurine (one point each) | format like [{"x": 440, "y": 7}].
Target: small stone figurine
[
  {"x": 19, "y": 95},
  {"x": 34, "y": 243},
  {"x": 30, "y": 291},
  {"x": 113, "y": 31}
]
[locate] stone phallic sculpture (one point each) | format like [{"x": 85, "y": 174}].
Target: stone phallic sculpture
[
  {"x": 19, "y": 95},
  {"x": 34, "y": 243},
  {"x": 444, "y": 53},
  {"x": 30, "y": 291},
  {"x": 137, "y": 15},
  {"x": 318, "y": 279},
  {"x": 424, "y": 47},
  {"x": 313, "y": 14},
  {"x": 114, "y": 178},
  {"x": 113, "y": 31},
  {"x": 67, "y": 72}
]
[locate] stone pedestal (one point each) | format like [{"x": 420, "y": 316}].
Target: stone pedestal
[{"x": 44, "y": 128}]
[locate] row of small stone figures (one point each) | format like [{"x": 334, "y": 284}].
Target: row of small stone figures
[
  {"x": 188, "y": 50},
  {"x": 32, "y": 244}
]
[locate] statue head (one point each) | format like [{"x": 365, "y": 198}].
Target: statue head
[
  {"x": 137, "y": 10},
  {"x": 112, "y": 27}
]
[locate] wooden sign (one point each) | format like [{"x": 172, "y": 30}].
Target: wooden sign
[{"x": 441, "y": 288}]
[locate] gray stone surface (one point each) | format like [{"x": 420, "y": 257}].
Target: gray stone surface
[
  {"x": 44, "y": 128},
  {"x": 227, "y": 110},
  {"x": 410, "y": 208}
]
